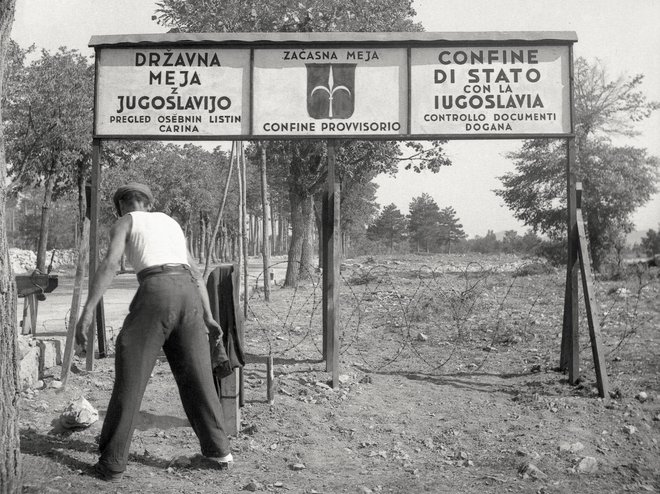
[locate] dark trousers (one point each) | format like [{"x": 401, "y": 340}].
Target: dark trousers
[{"x": 167, "y": 313}]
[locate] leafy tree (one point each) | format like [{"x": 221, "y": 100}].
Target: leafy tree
[
  {"x": 286, "y": 15},
  {"x": 424, "y": 223},
  {"x": 184, "y": 179},
  {"x": 26, "y": 215},
  {"x": 651, "y": 242},
  {"x": 358, "y": 209},
  {"x": 616, "y": 179},
  {"x": 451, "y": 231},
  {"x": 486, "y": 245},
  {"x": 10, "y": 453},
  {"x": 510, "y": 241},
  {"x": 304, "y": 162},
  {"x": 49, "y": 123},
  {"x": 389, "y": 227}
]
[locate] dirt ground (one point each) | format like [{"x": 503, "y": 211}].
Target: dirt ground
[{"x": 448, "y": 383}]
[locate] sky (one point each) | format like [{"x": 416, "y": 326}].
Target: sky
[{"x": 622, "y": 34}]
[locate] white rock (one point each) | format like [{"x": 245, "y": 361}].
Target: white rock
[
  {"x": 422, "y": 337},
  {"x": 588, "y": 464},
  {"x": 79, "y": 414},
  {"x": 642, "y": 396},
  {"x": 529, "y": 470},
  {"x": 570, "y": 448},
  {"x": 297, "y": 467},
  {"x": 629, "y": 429}
]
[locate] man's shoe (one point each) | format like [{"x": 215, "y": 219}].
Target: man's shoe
[
  {"x": 106, "y": 474},
  {"x": 221, "y": 462}
]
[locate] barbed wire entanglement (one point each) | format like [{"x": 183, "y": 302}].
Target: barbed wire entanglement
[
  {"x": 443, "y": 314},
  {"x": 425, "y": 314}
]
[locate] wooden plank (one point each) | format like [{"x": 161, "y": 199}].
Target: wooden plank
[
  {"x": 33, "y": 308},
  {"x": 593, "y": 313},
  {"x": 570, "y": 333},
  {"x": 93, "y": 243},
  {"x": 229, "y": 399},
  {"x": 83, "y": 254},
  {"x": 355, "y": 38},
  {"x": 565, "y": 333},
  {"x": 26, "y": 327}
]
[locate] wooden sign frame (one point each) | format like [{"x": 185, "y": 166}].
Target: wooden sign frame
[{"x": 457, "y": 48}]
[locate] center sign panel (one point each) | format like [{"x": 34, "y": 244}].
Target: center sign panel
[{"x": 330, "y": 91}]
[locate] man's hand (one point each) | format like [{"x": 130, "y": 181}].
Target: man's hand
[
  {"x": 81, "y": 329},
  {"x": 213, "y": 327}
]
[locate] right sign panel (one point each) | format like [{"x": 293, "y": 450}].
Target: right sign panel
[{"x": 486, "y": 91}]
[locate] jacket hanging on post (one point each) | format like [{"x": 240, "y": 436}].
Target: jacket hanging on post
[{"x": 223, "y": 288}]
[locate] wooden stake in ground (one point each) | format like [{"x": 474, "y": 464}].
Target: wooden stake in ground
[
  {"x": 83, "y": 252},
  {"x": 270, "y": 380}
]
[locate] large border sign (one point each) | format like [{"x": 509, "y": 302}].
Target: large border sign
[{"x": 327, "y": 85}]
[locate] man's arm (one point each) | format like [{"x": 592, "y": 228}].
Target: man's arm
[
  {"x": 208, "y": 315},
  {"x": 104, "y": 275}
]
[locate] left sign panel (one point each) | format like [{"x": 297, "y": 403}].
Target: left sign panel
[{"x": 172, "y": 92}]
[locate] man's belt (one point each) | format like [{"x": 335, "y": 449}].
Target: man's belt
[{"x": 162, "y": 268}]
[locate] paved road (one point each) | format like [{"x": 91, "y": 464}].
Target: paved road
[{"x": 53, "y": 313}]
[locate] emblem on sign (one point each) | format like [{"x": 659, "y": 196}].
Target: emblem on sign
[{"x": 330, "y": 90}]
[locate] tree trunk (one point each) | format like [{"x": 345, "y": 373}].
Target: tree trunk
[
  {"x": 10, "y": 454},
  {"x": 318, "y": 217},
  {"x": 45, "y": 221},
  {"x": 308, "y": 235},
  {"x": 273, "y": 229},
  {"x": 280, "y": 231},
  {"x": 265, "y": 244},
  {"x": 243, "y": 172},
  {"x": 296, "y": 246}
]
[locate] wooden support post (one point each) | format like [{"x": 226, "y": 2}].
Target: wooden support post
[
  {"x": 593, "y": 313},
  {"x": 229, "y": 399},
  {"x": 241, "y": 388},
  {"x": 94, "y": 253},
  {"x": 270, "y": 380},
  {"x": 331, "y": 274},
  {"x": 30, "y": 308},
  {"x": 570, "y": 334},
  {"x": 83, "y": 254}
]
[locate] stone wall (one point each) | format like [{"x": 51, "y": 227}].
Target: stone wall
[{"x": 39, "y": 358}]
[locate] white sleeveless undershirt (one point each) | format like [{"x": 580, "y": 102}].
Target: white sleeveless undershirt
[{"x": 155, "y": 239}]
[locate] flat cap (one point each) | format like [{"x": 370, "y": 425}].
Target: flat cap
[{"x": 132, "y": 187}]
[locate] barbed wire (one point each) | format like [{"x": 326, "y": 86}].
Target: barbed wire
[{"x": 399, "y": 317}]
